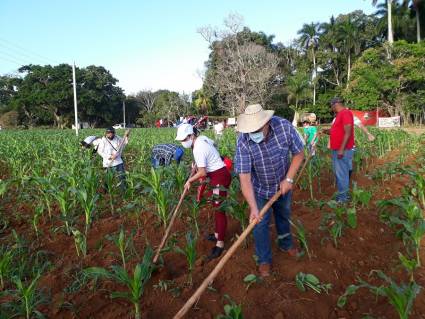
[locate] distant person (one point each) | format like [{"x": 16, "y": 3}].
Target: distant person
[
  {"x": 310, "y": 136},
  {"x": 208, "y": 164},
  {"x": 164, "y": 154},
  {"x": 110, "y": 149},
  {"x": 341, "y": 143},
  {"x": 218, "y": 129}
]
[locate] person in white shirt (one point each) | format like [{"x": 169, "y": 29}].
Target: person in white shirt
[
  {"x": 110, "y": 149},
  {"x": 209, "y": 164},
  {"x": 219, "y": 128}
]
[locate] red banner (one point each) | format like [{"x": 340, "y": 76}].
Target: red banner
[{"x": 367, "y": 117}]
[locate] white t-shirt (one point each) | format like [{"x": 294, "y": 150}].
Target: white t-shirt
[
  {"x": 107, "y": 148},
  {"x": 219, "y": 127},
  {"x": 206, "y": 155}
]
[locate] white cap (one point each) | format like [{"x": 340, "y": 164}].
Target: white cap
[{"x": 183, "y": 131}]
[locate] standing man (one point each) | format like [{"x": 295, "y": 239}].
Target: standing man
[
  {"x": 341, "y": 144},
  {"x": 163, "y": 154},
  {"x": 264, "y": 166},
  {"x": 110, "y": 149}
]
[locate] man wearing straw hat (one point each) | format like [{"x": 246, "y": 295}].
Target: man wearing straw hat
[{"x": 263, "y": 162}]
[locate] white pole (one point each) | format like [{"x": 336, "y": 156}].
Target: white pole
[
  {"x": 123, "y": 111},
  {"x": 75, "y": 99}
]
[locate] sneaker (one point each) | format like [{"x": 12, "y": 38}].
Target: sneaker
[
  {"x": 264, "y": 270},
  {"x": 211, "y": 237},
  {"x": 215, "y": 252}
]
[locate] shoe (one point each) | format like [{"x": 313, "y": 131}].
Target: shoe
[
  {"x": 292, "y": 252},
  {"x": 211, "y": 237},
  {"x": 215, "y": 252},
  {"x": 264, "y": 270}
]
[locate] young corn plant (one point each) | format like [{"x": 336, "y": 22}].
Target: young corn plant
[
  {"x": 304, "y": 281},
  {"x": 88, "y": 202},
  {"x": 194, "y": 209},
  {"x": 63, "y": 199},
  {"x": 25, "y": 299},
  {"x": 410, "y": 265},
  {"x": 401, "y": 297},
  {"x": 301, "y": 236},
  {"x": 231, "y": 310},
  {"x": 158, "y": 192},
  {"x": 189, "y": 251},
  {"x": 35, "y": 218},
  {"x": 135, "y": 284},
  {"x": 5, "y": 265},
  {"x": 122, "y": 244},
  {"x": 360, "y": 197},
  {"x": 80, "y": 241}
]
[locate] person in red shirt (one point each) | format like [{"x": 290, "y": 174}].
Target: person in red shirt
[{"x": 342, "y": 142}]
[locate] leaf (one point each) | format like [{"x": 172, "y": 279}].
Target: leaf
[
  {"x": 312, "y": 279},
  {"x": 250, "y": 278},
  {"x": 352, "y": 218}
]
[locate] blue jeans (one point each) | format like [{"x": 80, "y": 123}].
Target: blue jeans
[
  {"x": 282, "y": 213},
  {"x": 341, "y": 169}
]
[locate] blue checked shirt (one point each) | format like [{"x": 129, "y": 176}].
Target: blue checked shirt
[
  {"x": 268, "y": 161},
  {"x": 164, "y": 153}
]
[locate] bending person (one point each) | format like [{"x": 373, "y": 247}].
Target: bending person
[{"x": 208, "y": 164}]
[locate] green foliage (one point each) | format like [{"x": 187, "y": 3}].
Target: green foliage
[
  {"x": 304, "y": 281},
  {"x": 189, "y": 251},
  {"x": 135, "y": 285},
  {"x": 401, "y": 297},
  {"x": 231, "y": 310}
]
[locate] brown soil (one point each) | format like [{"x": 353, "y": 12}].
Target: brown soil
[{"x": 371, "y": 246}]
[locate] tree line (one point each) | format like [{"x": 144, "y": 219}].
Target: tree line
[{"x": 373, "y": 61}]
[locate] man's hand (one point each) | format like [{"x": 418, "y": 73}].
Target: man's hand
[
  {"x": 340, "y": 154},
  {"x": 187, "y": 186},
  {"x": 285, "y": 187},
  {"x": 254, "y": 215}
]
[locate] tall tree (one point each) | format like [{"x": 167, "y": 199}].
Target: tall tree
[
  {"x": 297, "y": 87},
  {"x": 309, "y": 38},
  {"x": 239, "y": 71},
  {"x": 348, "y": 35},
  {"x": 389, "y": 19}
]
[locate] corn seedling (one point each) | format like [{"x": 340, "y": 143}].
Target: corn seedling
[
  {"x": 159, "y": 194},
  {"x": 304, "y": 281},
  {"x": 189, "y": 251},
  {"x": 35, "y": 218},
  {"x": 410, "y": 265},
  {"x": 135, "y": 285},
  {"x": 231, "y": 310},
  {"x": 251, "y": 279},
  {"x": 26, "y": 298},
  {"x": 301, "y": 236},
  {"x": 5, "y": 266},
  {"x": 401, "y": 297},
  {"x": 80, "y": 241}
]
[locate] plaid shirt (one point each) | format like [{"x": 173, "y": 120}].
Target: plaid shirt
[
  {"x": 164, "y": 153},
  {"x": 268, "y": 161}
]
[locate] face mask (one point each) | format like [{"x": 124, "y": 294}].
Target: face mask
[
  {"x": 187, "y": 144},
  {"x": 256, "y": 137}
]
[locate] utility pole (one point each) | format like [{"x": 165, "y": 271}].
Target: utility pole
[
  {"x": 123, "y": 111},
  {"x": 75, "y": 99}
]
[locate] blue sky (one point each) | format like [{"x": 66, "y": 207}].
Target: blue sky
[{"x": 145, "y": 44}]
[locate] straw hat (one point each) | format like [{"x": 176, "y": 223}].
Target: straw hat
[{"x": 253, "y": 119}]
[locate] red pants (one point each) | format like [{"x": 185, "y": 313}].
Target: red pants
[{"x": 219, "y": 178}]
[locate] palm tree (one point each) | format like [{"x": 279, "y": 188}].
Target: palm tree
[
  {"x": 202, "y": 101},
  {"x": 349, "y": 37},
  {"x": 415, "y": 5},
  {"x": 297, "y": 87},
  {"x": 389, "y": 17},
  {"x": 309, "y": 38}
]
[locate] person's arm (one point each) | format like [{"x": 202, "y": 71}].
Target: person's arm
[
  {"x": 248, "y": 193},
  {"x": 296, "y": 162},
  {"x": 370, "y": 137},
  {"x": 347, "y": 134},
  {"x": 202, "y": 172}
]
